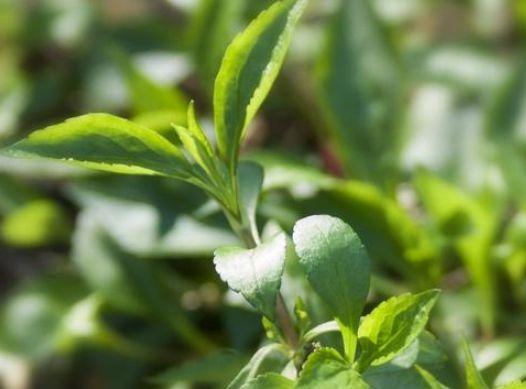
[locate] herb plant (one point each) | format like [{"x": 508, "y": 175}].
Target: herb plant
[{"x": 361, "y": 346}]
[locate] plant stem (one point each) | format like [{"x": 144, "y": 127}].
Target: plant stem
[{"x": 350, "y": 341}]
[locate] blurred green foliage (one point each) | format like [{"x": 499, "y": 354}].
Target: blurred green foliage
[{"x": 405, "y": 118}]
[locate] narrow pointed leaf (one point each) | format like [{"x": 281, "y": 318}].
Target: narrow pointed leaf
[
  {"x": 326, "y": 369},
  {"x": 249, "y": 68},
  {"x": 358, "y": 85},
  {"x": 255, "y": 273},
  {"x": 105, "y": 142},
  {"x": 429, "y": 379},
  {"x": 393, "y": 326},
  {"x": 474, "y": 379},
  {"x": 250, "y": 180},
  {"x": 336, "y": 264}
]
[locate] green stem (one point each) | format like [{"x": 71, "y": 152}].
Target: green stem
[{"x": 350, "y": 341}]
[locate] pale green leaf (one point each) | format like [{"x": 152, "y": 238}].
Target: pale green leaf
[
  {"x": 255, "y": 273},
  {"x": 474, "y": 379},
  {"x": 326, "y": 369},
  {"x": 105, "y": 142},
  {"x": 270, "y": 358},
  {"x": 393, "y": 326},
  {"x": 336, "y": 265},
  {"x": 269, "y": 381},
  {"x": 249, "y": 68},
  {"x": 196, "y": 143},
  {"x": 250, "y": 181},
  {"x": 514, "y": 385}
]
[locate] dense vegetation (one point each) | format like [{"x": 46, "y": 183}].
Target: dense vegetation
[{"x": 279, "y": 194}]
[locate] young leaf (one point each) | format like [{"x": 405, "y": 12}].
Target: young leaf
[
  {"x": 393, "y": 326},
  {"x": 270, "y": 358},
  {"x": 196, "y": 143},
  {"x": 269, "y": 381},
  {"x": 514, "y": 385},
  {"x": 473, "y": 378},
  {"x": 430, "y": 380},
  {"x": 255, "y": 273},
  {"x": 337, "y": 266},
  {"x": 105, "y": 142},
  {"x": 326, "y": 369},
  {"x": 249, "y": 68}
]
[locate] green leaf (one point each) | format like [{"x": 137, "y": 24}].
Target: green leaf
[
  {"x": 474, "y": 379},
  {"x": 147, "y": 95},
  {"x": 359, "y": 88},
  {"x": 105, "y": 142},
  {"x": 514, "y": 385},
  {"x": 213, "y": 369},
  {"x": 471, "y": 225},
  {"x": 127, "y": 282},
  {"x": 250, "y": 181},
  {"x": 196, "y": 144},
  {"x": 430, "y": 380},
  {"x": 213, "y": 26},
  {"x": 337, "y": 267},
  {"x": 326, "y": 369},
  {"x": 37, "y": 223},
  {"x": 255, "y": 273},
  {"x": 249, "y": 68},
  {"x": 269, "y": 381},
  {"x": 393, "y": 326},
  {"x": 270, "y": 358}
]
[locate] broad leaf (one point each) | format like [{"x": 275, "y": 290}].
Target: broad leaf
[
  {"x": 270, "y": 358},
  {"x": 249, "y": 68},
  {"x": 326, "y": 369},
  {"x": 514, "y": 385},
  {"x": 105, "y": 142},
  {"x": 474, "y": 379},
  {"x": 269, "y": 381},
  {"x": 255, "y": 273},
  {"x": 336, "y": 265},
  {"x": 393, "y": 326}
]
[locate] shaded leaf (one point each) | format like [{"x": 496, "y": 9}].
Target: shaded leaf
[{"x": 269, "y": 381}]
